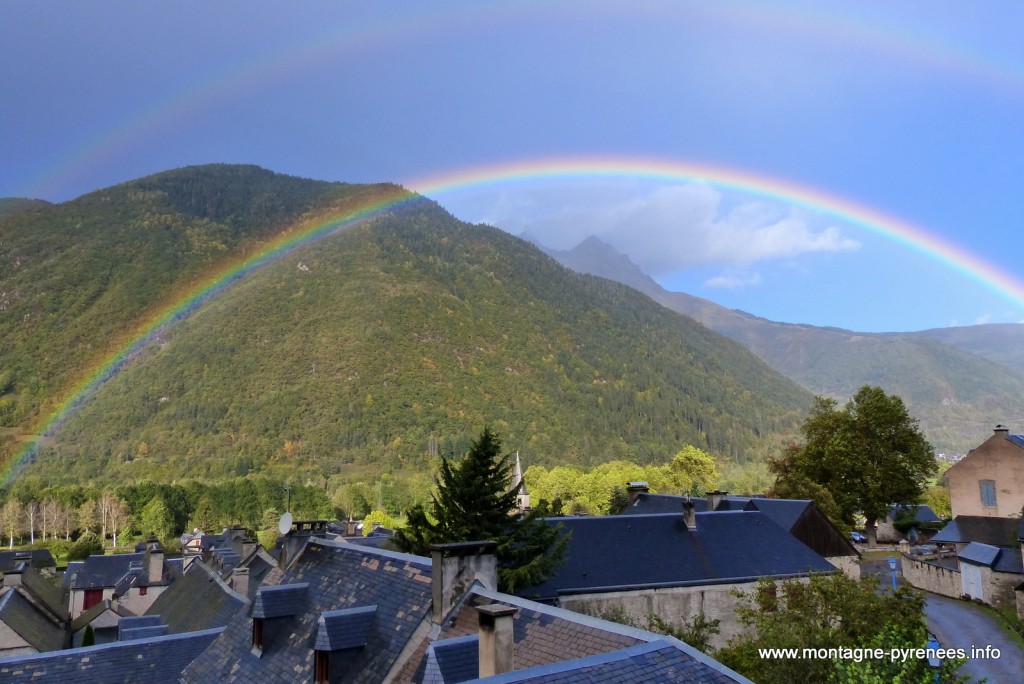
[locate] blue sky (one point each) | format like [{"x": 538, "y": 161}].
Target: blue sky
[{"x": 910, "y": 109}]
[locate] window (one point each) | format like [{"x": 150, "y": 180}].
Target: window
[
  {"x": 257, "y": 636},
  {"x": 988, "y": 493},
  {"x": 321, "y": 667}
]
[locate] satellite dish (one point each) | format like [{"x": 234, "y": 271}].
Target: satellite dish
[{"x": 285, "y": 524}]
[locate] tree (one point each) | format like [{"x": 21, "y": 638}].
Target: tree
[
  {"x": 12, "y": 517},
  {"x": 827, "y": 612},
  {"x": 475, "y": 500},
  {"x": 869, "y": 455},
  {"x": 156, "y": 519},
  {"x": 692, "y": 470}
]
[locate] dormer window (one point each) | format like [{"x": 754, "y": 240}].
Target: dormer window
[
  {"x": 273, "y": 604},
  {"x": 339, "y": 630}
]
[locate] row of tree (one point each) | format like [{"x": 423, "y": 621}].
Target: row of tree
[{"x": 32, "y": 512}]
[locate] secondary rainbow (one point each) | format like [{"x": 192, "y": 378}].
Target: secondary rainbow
[{"x": 646, "y": 169}]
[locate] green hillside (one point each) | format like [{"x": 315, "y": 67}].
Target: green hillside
[
  {"x": 374, "y": 349},
  {"x": 958, "y": 382},
  {"x": 75, "y": 277}
]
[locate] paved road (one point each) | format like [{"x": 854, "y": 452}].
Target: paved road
[{"x": 958, "y": 624}]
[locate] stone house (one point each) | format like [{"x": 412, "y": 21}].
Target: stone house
[
  {"x": 989, "y": 481},
  {"x": 675, "y": 565}
]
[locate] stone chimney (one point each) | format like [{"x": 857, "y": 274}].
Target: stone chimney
[
  {"x": 635, "y": 489},
  {"x": 12, "y": 578},
  {"x": 296, "y": 538},
  {"x": 715, "y": 498},
  {"x": 496, "y": 639},
  {"x": 689, "y": 516},
  {"x": 248, "y": 546},
  {"x": 240, "y": 580},
  {"x": 1002, "y": 430},
  {"x": 350, "y": 528},
  {"x": 454, "y": 569},
  {"x": 156, "y": 562}
]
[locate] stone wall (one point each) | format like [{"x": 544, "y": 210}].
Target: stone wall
[
  {"x": 674, "y": 605},
  {"x": 998, "y": 587},
  {"x": 931, "y": 577}
]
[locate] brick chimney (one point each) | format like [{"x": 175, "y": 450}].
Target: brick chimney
[
  {"x": 689, "y": 515},
  {"x": 496, "y": 639},
  {"x": 635, "y": 489},
  {"x": 454, "y": 569},
  {"x": 715, "y": 498}
]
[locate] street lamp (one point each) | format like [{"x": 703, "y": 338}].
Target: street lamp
[
  {"x": 934, "y": 659},
  {"x": 892, "y": 570}
]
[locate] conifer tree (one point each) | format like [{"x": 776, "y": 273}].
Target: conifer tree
[{"x": 476, "y": 501}]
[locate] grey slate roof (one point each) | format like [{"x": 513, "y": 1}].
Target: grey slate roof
[
  {"x": 980, "y": 528},
  {"x": 545, "y": 635},
  {"x": 995, "y": 557},
  {"x": 339, "y": 576},
  {"x": 37, "y": 558},
  {"x": 1017, "y": 439},
  {"x": 783, "y": 512},
  {"x": 658, "y": 661},
  {"x": 46, "y": 592},
  {"x": 146, "y": 661},
  {"x": 450, "y": 661},
  {"x": 624, "y": 552},
  {"x": 142, "y": 632},
  {"x": 103, "y": 571},
  {"x": 282, "y": 600},
  {"x": 198, "y": 600},
  {"x": 344, "y": 628},
  {"x": 922, "y": 512},
  {"x": 32, "y": 624}
]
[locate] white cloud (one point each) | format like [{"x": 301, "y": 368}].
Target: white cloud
[{"x": 733, "y": 282}]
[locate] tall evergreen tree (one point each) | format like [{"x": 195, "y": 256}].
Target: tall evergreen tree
[{"x": 476, "y": 500}]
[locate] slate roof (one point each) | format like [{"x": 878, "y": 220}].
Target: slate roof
[
  {"x": 146, "y": 661},
  {"x": 615, "y": 553},
  {"x": 46, "y": 593},
  {"x": 32, "y": 624},
  {"x": 665, "y": 660},
  {"x": 198, "y": 600},
  {"x": 450, "y": 661},
  {"x": 998, "y": 558},
  {"x": 281, "y": 600},
  {"x": 103, "y": 571},
  {"x": 980, "y": 528},
  {"x": 1016, "y": 439},
  {"x": 783, "y": 512},
  {"x": 339, "y": 576},
  {"x": 543, "y": 635},
  {"x": 344, "y": 628},
  {"x": 37, "y": 558},
  {"x": 922, "y": 512}
]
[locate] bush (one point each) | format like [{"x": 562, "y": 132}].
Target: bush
[{"x": 88, "y": 544}]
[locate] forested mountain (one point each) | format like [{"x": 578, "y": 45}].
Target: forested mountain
[
  {"x": 957, "y": 381},
  {"x": 373, "y": 349}
]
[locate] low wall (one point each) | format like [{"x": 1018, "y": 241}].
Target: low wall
[
  {"x": 931, "y": 577},
  {"x": 674, "y": 605}
]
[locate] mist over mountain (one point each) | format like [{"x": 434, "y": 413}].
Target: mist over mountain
[{"x": 958, "y": 382}]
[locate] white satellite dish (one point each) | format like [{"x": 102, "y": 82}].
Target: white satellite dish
[{"x": 285, "y": 523}]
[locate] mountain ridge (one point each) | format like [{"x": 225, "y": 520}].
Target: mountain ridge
[{"x": 957, "y": 381}]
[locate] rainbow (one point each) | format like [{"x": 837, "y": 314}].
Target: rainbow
[
  {"x": 135, "y": 123},
  {"x": 387, "y": 198}
]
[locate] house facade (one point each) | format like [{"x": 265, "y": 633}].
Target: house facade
[{"x": 989, "y": 481}]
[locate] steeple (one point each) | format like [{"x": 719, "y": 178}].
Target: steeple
[{"x": 522, "y": 493}]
